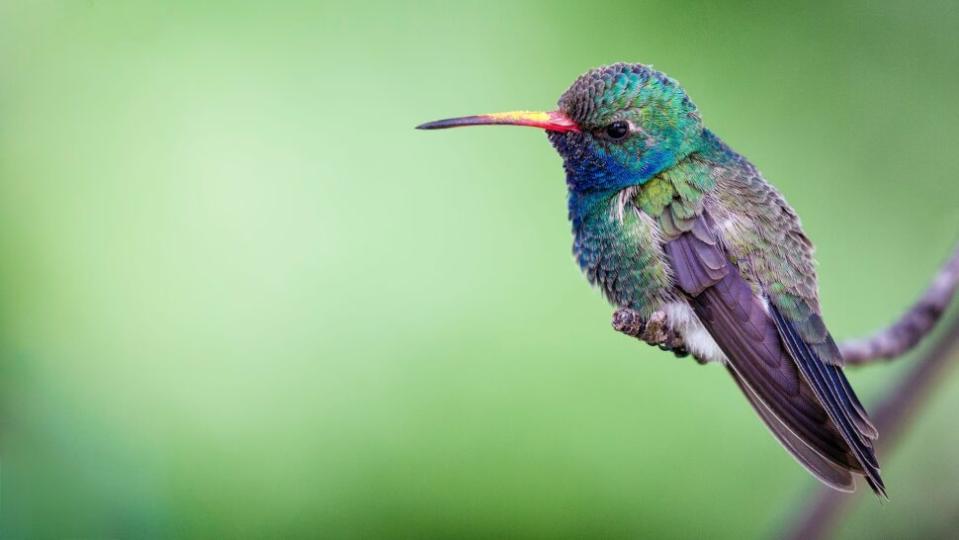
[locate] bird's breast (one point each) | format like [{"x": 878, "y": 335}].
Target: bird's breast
[{"x": 620, "y": 251}]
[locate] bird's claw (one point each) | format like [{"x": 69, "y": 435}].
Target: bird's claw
[{"x": 654, "y": 331}]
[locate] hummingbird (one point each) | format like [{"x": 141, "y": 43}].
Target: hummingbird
[{"x": 675, "y": 227}]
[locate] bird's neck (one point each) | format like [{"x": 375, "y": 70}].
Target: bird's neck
[{"x": 686, "y": 181}]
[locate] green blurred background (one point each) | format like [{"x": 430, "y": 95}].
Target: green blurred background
[{"x": 241, "y": 297}]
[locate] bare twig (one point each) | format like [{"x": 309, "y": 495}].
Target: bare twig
[
  {"x": 825, "y": 507},
  {"x": 895, "y": 340}
]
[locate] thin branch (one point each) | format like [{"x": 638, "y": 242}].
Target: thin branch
[
  {"x": 897, "y": 339},
  {"x": 822, "y": 513}
]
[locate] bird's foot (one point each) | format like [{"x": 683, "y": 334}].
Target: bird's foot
[{"x": 655, "y": 331}]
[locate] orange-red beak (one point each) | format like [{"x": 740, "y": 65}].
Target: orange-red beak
[{"x": 551, "y": 121}]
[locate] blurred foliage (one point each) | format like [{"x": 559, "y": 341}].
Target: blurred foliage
[{"x": 241, "y": 297}]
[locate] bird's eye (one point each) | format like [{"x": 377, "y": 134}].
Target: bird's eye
[{"x": 617, "y": 130}]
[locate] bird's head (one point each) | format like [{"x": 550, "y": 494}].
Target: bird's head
[{"x": 616, "y": 126}]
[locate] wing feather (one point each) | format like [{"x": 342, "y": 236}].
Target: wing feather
[
  {"x": 806, "y": 402},
  {"x": 825, "y": 470}
]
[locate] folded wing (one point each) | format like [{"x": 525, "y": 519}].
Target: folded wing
[{"x": 806, "y": 402}]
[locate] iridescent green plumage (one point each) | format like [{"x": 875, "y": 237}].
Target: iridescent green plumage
[{"x": 667, "y": 219}]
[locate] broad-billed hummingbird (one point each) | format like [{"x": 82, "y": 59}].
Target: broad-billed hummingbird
[{"x": 672, "y": 225}]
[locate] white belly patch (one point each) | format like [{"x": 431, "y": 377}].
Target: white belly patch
[{"x": 682, "y": 319}]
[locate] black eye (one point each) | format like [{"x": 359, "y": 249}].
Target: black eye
[{"x": 617, "y": 130}]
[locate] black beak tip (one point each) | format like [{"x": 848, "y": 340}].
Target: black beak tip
[{"x": 430, "y": 125}]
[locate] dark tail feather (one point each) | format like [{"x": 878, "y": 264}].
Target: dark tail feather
[
  {"x": 833, "y": 390},
  {"x": 824, "y": 469}
]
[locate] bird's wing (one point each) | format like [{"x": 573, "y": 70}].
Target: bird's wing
[
  {"x": 834, "y": 475},
  {"x": 806, "y": 402}
]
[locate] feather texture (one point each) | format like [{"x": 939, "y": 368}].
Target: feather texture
[
  {"x": 789, "y": 386},
  {"x": 668, "y": 217}
]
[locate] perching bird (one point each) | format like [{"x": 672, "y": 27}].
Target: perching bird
[{"x": 672, "y": 224}]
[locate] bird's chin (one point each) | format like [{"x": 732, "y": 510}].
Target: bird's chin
[{"x": 565, "y": 143}]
